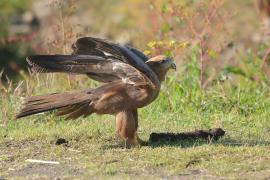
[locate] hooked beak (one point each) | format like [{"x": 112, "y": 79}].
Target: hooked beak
[{"x": 173, "y": 66}]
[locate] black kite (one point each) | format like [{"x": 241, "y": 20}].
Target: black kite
[{"x": 131, "y": 81}]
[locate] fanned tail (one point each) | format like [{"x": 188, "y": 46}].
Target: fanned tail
[{"x": 73, "y": 104}]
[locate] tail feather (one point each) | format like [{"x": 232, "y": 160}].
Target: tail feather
[
  {"x": 80, "y": 111},
  {"x": 75, "y": 104}
]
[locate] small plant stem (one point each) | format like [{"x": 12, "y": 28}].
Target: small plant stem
[{"x": 201, "y": 62}]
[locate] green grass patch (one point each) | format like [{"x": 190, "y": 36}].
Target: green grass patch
[{"x": 93, "y": 150}]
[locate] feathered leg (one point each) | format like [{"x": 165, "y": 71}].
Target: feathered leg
[
  {"x": 126, "y": 127},
  {"x": 140, "y": 142}
]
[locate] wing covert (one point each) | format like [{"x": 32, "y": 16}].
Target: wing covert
[{"x": 125, "y": 54}]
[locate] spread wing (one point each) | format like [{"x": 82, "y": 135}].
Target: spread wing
[
  {"x": 101, "y": 60},
  {"x": 96, "y": 46},
  {"x": 126, "y": 54},
  {"x": 99, "y": 68},
  {"x": 102, "y": 47}
]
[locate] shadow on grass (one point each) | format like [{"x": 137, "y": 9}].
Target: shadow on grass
[
  {"x": 195, "y": 143},
  {"x": 192, "y": 139},
  {"x": 198, "y": 138}
]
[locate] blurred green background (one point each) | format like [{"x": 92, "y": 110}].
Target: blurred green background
[{"x": 37, "y": 26}]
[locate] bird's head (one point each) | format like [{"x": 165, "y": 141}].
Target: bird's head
[{"x": 161, "y": 65}]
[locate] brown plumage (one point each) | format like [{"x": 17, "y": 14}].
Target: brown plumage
[{"x": 131, "y": 81}]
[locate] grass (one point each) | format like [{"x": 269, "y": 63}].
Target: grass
[
  {"x": 243, "y": 110},
  {"x": 237, "y": 100}
]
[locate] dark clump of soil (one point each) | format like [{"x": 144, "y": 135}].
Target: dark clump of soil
[
  {"x": 60, "y": 141},
  {"x": 215, "y": 134}
]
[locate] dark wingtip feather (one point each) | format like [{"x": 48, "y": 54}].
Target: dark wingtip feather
[{"x": 35, "y": 66}]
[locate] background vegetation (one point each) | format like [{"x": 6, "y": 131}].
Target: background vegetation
[{"x": 222, "y": 80}]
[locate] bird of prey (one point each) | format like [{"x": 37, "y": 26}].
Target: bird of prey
[{"x": 130, "y": 80}]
